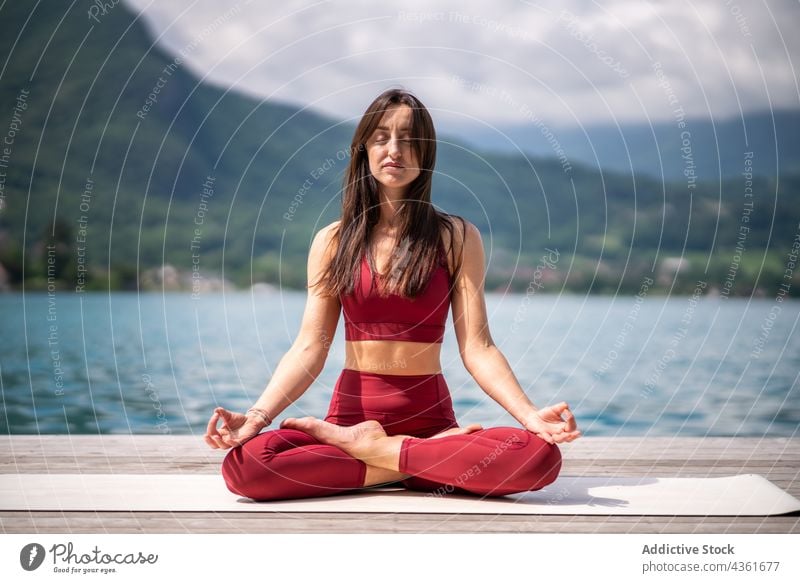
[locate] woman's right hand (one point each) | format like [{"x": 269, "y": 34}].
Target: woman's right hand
[{"x": 234, "y": 431}]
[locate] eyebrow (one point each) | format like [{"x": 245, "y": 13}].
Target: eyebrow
[{"x": 403, "y": 129}]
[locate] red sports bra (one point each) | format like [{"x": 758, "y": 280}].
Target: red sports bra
[{"x": 368, "y": 316}]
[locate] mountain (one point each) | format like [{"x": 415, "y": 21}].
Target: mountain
[
  {"x": 718, "y": 147},
  {"x": 110, "y": 110},
  {"x": 123, "y": 160}
]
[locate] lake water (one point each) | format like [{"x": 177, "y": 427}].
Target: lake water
[{"x": 159, "y": 363}]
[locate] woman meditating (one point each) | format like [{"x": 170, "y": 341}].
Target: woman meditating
[{"x": 393, "y": 265}]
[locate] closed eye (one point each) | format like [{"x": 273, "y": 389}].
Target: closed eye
[{"x": 383, "y": 139}]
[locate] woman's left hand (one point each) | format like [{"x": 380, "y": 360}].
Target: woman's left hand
[
  {"x": 236, "y": 429},
  {"x": 554, "y": 424}
]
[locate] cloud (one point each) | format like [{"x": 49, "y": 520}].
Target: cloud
[{"x": 573, "y": 62}]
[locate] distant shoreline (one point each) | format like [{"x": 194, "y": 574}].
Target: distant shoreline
[{"x": 657, "y": 292}]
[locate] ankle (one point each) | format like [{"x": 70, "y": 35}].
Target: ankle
[{"x": 376, "y": 476}]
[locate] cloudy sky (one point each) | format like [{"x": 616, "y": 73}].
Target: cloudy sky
[{"x": 570, "y": 63}]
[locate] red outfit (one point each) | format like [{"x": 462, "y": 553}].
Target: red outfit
[
  {"x": 368, "y": 316},
  {"x": 288, "y": 463}
]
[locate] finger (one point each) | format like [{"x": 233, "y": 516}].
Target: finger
[
  {"x": 226, "y": 417},
  {"x": 223, "y": 444},
  {"x": 210, "y": 442},
  {"x": 559, "y": 408},
  {"x": 570, "y": 420},
  {"x": 220, "y": 438},
  {"x": 553, "y": 413},
  {"x": 212, "y": 424},
  {"x": 568, "y": 437},
  {"x": 233, "y": 441},
  {"x": 567, "y": 426}
]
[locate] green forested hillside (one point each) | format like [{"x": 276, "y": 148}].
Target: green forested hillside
[
  {"x": 126, "y": 161},
  {"x": 654, "y": 147}
]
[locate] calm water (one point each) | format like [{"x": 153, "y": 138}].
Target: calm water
[{"x": 153, "y": 363}]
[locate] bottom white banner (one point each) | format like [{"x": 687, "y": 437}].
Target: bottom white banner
[{"x": 398, "y": 557}]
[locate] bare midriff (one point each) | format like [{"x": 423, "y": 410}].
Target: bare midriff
[{"x": 393, "y": 357}]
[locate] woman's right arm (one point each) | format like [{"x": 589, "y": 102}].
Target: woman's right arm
[
  {"x": 298, "y": 368},
  {"x": 303, "y": 362}
]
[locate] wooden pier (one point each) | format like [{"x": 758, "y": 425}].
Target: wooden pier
[{"x": 777, "y": 459}]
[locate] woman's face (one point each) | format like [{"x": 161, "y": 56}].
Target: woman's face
[{"x": 392, "y": 160}]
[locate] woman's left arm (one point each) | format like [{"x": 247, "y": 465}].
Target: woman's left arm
[{"x": 485, "y": 362}]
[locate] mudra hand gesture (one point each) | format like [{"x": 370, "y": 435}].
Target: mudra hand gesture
[
  {"x": 236, "y": 428},
  {"x": 554, "y": 424}
]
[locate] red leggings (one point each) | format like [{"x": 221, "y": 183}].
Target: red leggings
[{"x": 288, "y": 463}]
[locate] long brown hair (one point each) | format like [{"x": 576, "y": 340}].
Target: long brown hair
[{"x": 420, "y": 222}]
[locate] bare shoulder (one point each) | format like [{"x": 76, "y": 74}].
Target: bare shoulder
[
  {"x": 470, "y": 235},
  {"x": 323, "y": 237},
  {"x": 463, "y": 231},
  {"x": 322, "y": 251},
  {"x": 328, "y": 230},
  {"x": 467, "y": 243}
]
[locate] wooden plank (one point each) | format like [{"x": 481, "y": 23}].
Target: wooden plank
[
  {"x": 353, "y": 523},
  {"x": 778, "y": 459}
]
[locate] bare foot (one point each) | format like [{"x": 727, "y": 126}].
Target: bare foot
[
  {"x": 354, "y": 440},
  {"x": 458, "y": 431}
]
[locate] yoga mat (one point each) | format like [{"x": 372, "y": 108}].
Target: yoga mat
[{"x": 742, "y": 495}]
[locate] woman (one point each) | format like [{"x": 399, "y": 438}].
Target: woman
[{"x": 391, "y": 419}]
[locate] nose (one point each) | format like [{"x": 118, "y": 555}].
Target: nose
[{"x": 394, "y": 148}]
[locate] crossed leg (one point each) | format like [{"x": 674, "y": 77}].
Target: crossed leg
[
  {"x": 290, "y": 463},
  {"x": 494, "y": 462},
  {"x": 377, "y": 475},
  {"x": 310, "y": 457}
]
